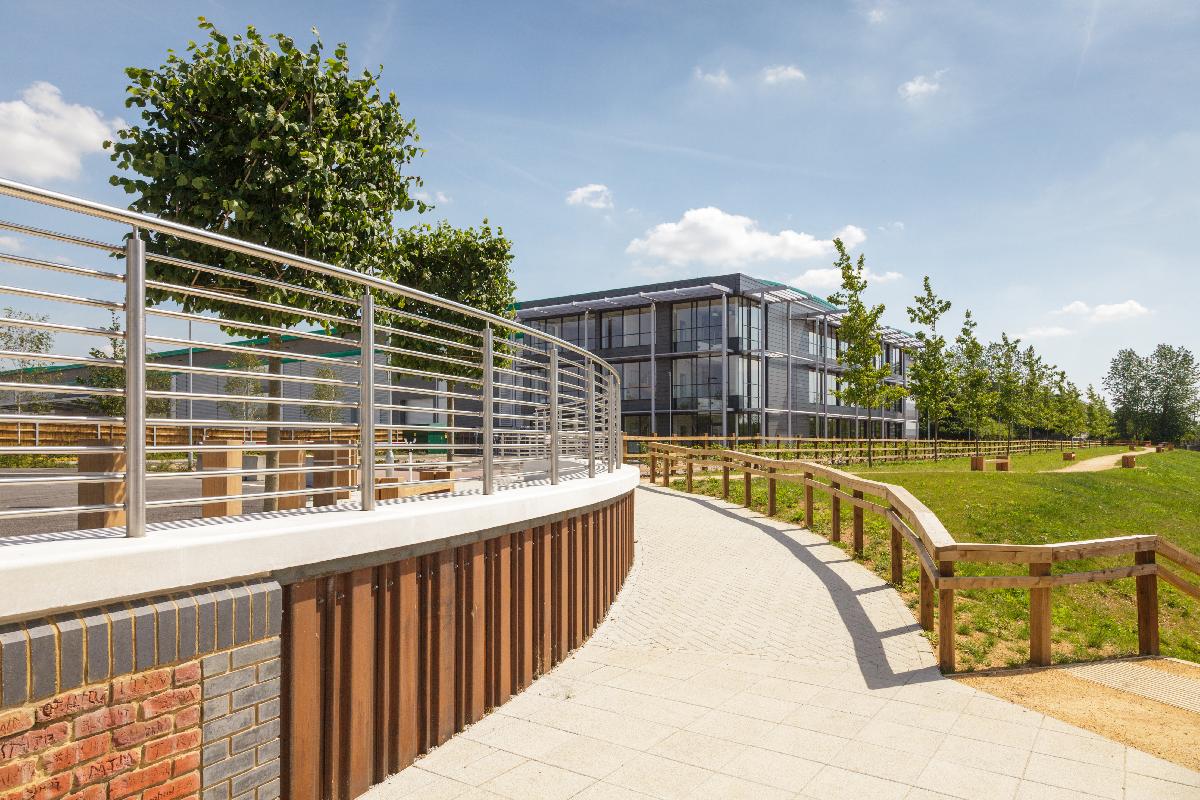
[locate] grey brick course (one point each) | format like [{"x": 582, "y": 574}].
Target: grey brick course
[
  {"x": 216, "y": 664},
  {"x": 224, "y": 770},
  {"x": 214, "y": 752},
  {"x": 258, "y": 693},
  {"x": 269, "y": 791},
  {"x": 227, "y": 726},
  {"x": 256, "y": 777},
  {"x": 216, "y": 707},
  {"x": 43, "y": 657},
  {"x": 268, "y": 710},
  {"x": 224, "y": 684},
  {"x": 70, "y": 651},
  {"x": 269, "y": 669},
  {"x": 14, "y": 663},
  {"x": 257, "y": 735},
  {"x": 255, "y": 653}
]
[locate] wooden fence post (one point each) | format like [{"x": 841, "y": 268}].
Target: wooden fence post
[
  {"x": 836, "y": 503},
  {"x": 221, "y": 485},
  {"x": 104, "y": 493},
  {"x": 725, "y": 478},
  {"x": 771, "y": 494},
  {"x": 925, "y": 614},
  {"x": 897, "y": 545},
  {"x": 653, "y": 467},
  {"x": 292, "y": 481},
  {"x": 858, "y": 524},
  {"x": 689, "y": 467},
  {"x": 946, "y": 620},
  {"x": 1147, "y": 606},
  {"x": 808, "y": 501},
  {"x": 667, "y": 465},
  {"x": 1039, "y": 619},
  {"x": 746, "y": 478}
]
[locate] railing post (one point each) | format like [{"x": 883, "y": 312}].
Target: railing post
[
  {"x": 1039, "y": 618},
  {"x": 552, "y": 418},
  {"x": 747, "y": 478},
  {"x": 771, "y": 494},
  {"x": 836, "y": 504},
  {"x": 653, "y": 467},
  {"x": 1147, "y": 606},
  {"x": 135, "y": 386},
  {"x": 590, "y": 427},
  {"x": 614, "y": 442},
  {"x": 488, "y": 409},
  {"x": 925, "y": 606},
  {"x": 808, "y": 501},
  {"x": 858, "y": 524},
  {"x": 689, "y": 467},
  {"x": 366, "y": 402},
  {"x": 725, "y": 478},
  {"x": 897, "y": 554},
  {"x": 946, "y": 620}
]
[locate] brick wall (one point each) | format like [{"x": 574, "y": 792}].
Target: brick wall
[{"x": 128, "y": 700}]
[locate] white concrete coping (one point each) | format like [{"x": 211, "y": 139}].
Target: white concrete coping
[{"x": 40, "y": 578}]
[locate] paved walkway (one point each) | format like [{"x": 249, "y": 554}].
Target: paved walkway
[
  {"x": 747, "y": 658},
  {"x": 1101, "y": 463}
]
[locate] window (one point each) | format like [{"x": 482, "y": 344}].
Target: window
[
  {"x": 572, "y": 329},
  {"x": 696, "y": 384},
  {"x": 635, "y": 380},
  {"x": 744, "y": 378},
  {"x": 629, "y": 328},
  {"x": 696, "y": 326},
  {"x": 747, "y": 324}
]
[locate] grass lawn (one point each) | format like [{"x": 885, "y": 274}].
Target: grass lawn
[{"x": 1031, "y": 506}]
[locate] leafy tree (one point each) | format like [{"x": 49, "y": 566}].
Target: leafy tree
[
  {"x": 1128, "y": 384},
  {"x": 325, "y": 392},
  {"x": 929, "y": 373},
  {"x": 1035, "y": 393},
  {"x": 1004, "y": 361},
  {"x": 22, "y": 369},
  {"x": 246, "y": 387},
  {"x": 864, "y": 381},
  {"x": 1099, "y": 417},
  {"x": 1174, "y": 397},
  {"x": 974, "y": 399},
  {"x": 114, "y": 378},
  {"x": 268, "y": 142},
  {"x": 1070, "y": 410}
]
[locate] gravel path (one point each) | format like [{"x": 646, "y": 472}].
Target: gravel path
[
  {"x": 1101, "y": 463},
  {"x": 746, "y": 657}
]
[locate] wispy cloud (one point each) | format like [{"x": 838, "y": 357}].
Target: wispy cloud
[
  {"x": 712, "y": 237},
  {"x": 1105, "y": 312},
  {"x": 10, "y": 243},
  {"x": 593, "y": 195},
  {"x": 719, "y": 79},
  {"x": 441, "y": 198},
  {"x": 876, "y": 15},
  {"x": 828, "y": 278},
  {"x": 921, "y": 86},
  {"x": 783, "y": 73},
  {"x": 1047, "y": 332},
  {"x": 895, "y": 226},
  {"x": 42, "y": 137}
]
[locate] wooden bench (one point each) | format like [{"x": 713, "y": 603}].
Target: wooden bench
[
  {"x": 393, "y": 487},
  {"x": 1069, "y": 455},
  {"x": 979, "y": 463},
  {"x": 1128, "y": 461}
]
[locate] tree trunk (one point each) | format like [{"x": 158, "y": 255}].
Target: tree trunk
[{"x": 870, "y": 438}]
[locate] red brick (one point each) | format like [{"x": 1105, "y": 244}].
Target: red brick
[
  {"x": 175, "y": 789},
  {"x": 187, "y": 673},
  {"x": 104, "y": 719},
  {"x": 70, "y": 703},
  {"x": 44, "y": 789},
  {"x": 179, "y": 743},
  {"x": 66, "y": 757},
  {"x": 143, "y": 683},
  {"x": 95, "y": 792},
  {"x": 141, "y": 731},
  {"x": 16, "y": 722},
  {"x": 13, "y": 775},
  {"x": 187, "y": 718},
  {"x": 187, "y": 763},
  {"x": 170, "y": 700},
  {"x": 106, "y": 767},
  {"x": 137, "y": 781},
  {"x": 34, "y": 741}
]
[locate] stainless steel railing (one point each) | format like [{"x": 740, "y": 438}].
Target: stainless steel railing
[{"x": 272, "y": 355}]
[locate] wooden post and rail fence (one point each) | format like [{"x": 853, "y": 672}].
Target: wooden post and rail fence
[
  {"x": 940, "y": 555},
  {"x": 854, "y": 451}
]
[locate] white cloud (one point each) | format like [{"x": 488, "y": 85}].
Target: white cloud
[
  {"x": 921, "y": 86},
  {"x": 10, "y": 243},
  {"x": 876, "y": 15},
  {"x": 714, "y": 237},
  {"x": 44, "y": 138},
  {"x": 437, "y": 197},
  {"x": 719, "y": 79},
  {"x": 782, "y": 74},
  {"x": 892, "y": 227},
  {"x": 1049, "y": 332},
  {"x": 1105, "y": 312},
  {"x": 830, "y": 278},
  {"x": 593, "y": 195}
]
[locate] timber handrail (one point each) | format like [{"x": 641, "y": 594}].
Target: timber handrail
[{"x": 938, "y": 552}]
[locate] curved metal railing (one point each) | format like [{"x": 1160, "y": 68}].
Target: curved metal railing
[{"x": 243, "y": 365}]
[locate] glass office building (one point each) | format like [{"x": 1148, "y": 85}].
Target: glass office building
[{"x": 725, "y": 355}]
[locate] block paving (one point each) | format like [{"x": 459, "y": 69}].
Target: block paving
[{"x": 747, "y": 657}]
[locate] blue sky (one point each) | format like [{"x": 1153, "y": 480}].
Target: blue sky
[{"x": 1040, "y": 161}]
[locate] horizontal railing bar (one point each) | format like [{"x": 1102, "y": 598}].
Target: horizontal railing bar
[
  {"x": 21, "y": 354},
  {"x": 199, "y": 501},
  {"x": 52, "y": 511},
  {"x": 240, "y": 373},
  {"x": 425, "y": 337},
  {"x": 256, "y": 351},
  {"x": 245, "y": 423},
  {"x": 217, "y": 473},
  {"x": 58, "y": 449},
  {"x": 385, "y": 310},
  {"x": 53, "y": 266},
  {"x": 212, "y": 294},
  {"x": 29, "y": 230},
  {"x": 107, "y": 333},
  {"x": 243, "y": 276},
  {"x": 36, "y": 294},
  {"x": 58, "y": 388},
  {"x": 401, "y": 351},
  {"x": 338, "y": 341},
  {"x": 74, "y": 477},
  {"x": 416, "y": 373}
]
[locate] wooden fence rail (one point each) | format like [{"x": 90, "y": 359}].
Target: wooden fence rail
[
  {"x": 855, "y": 451},
  {"x": 938, "y": 553}
]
